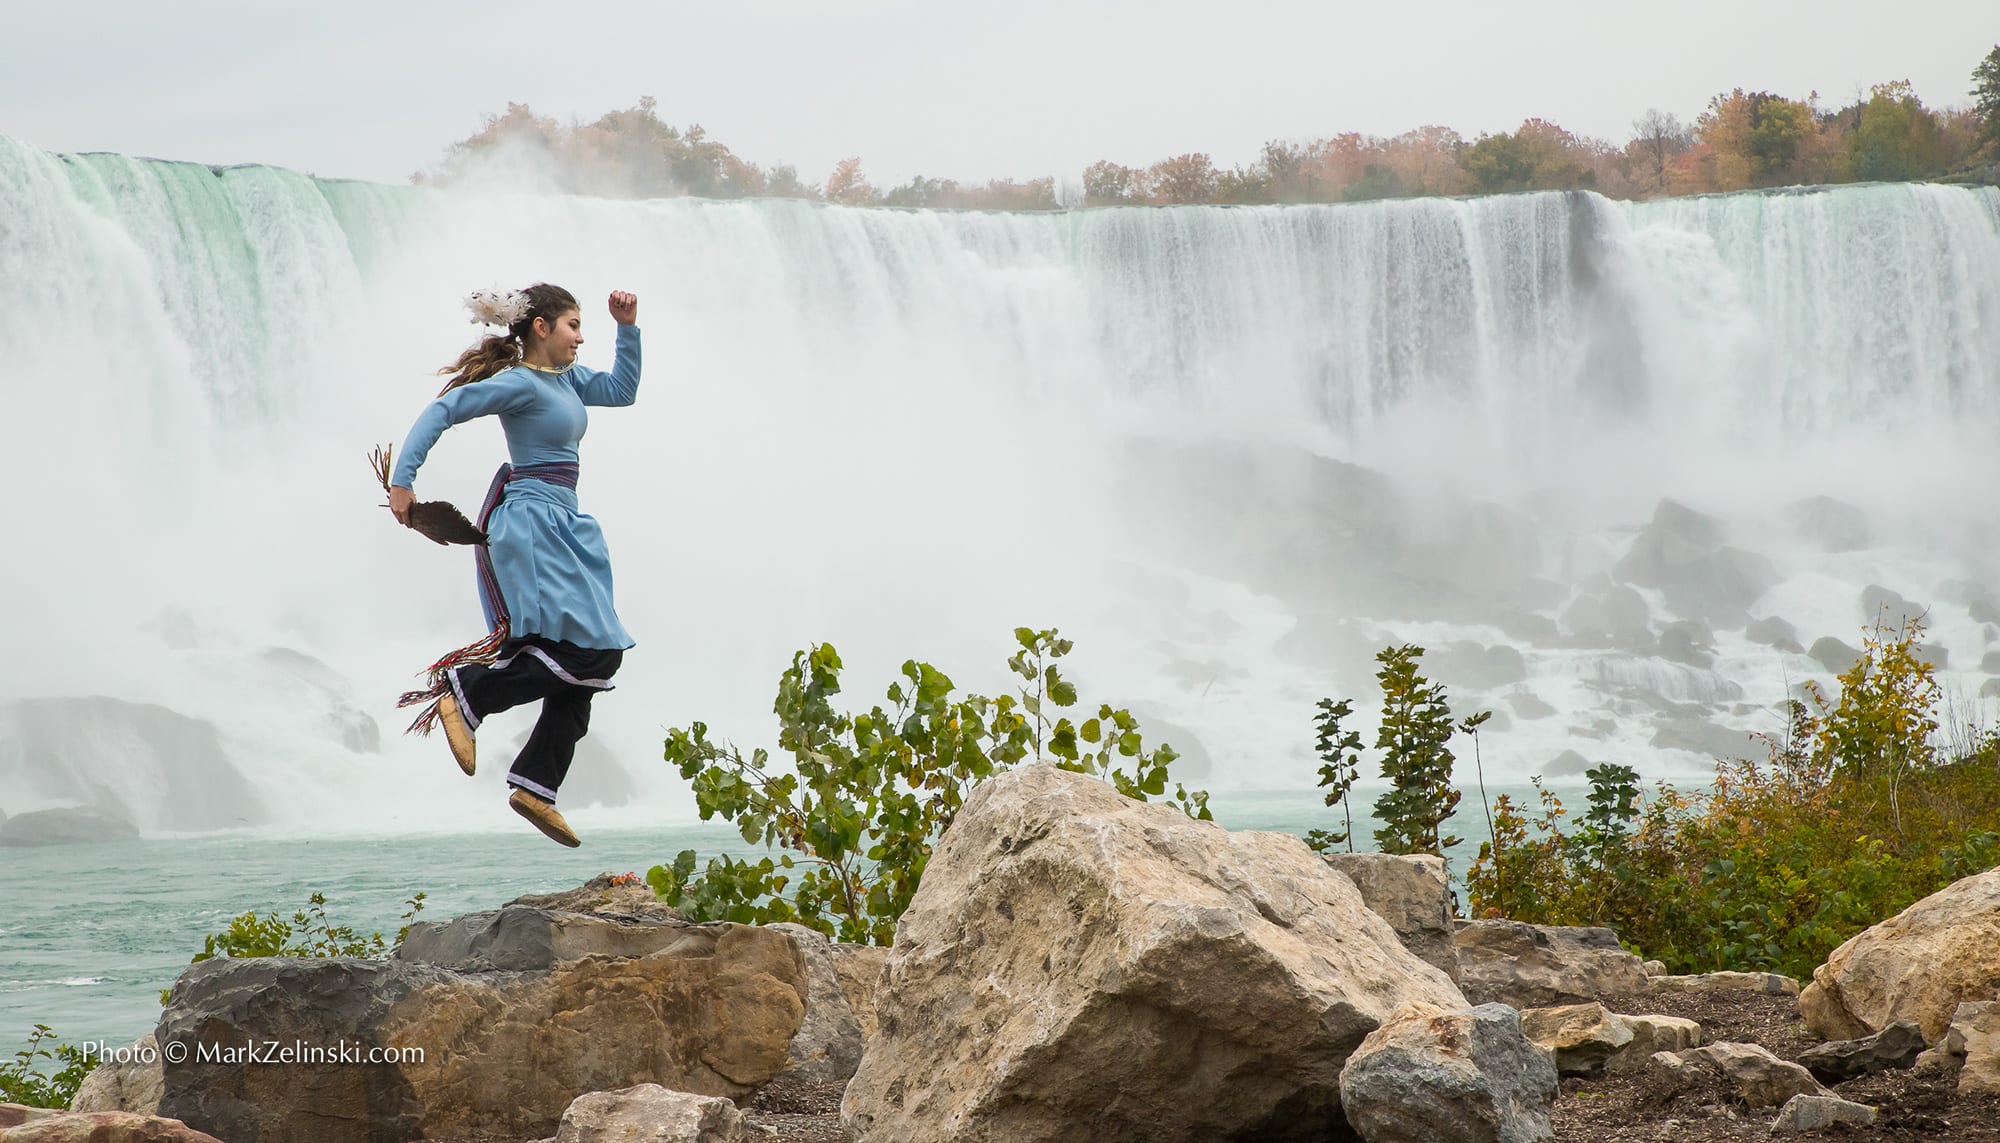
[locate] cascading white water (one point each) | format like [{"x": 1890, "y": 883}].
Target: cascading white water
[{"x": 1232, "y": 450}]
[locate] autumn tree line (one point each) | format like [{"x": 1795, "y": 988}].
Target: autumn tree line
[{"x": 1742, "y": 140}]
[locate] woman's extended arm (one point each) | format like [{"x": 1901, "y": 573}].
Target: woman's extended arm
[
  {"x": 621, "y": 385},
  {"x": 479, "y": 399}
]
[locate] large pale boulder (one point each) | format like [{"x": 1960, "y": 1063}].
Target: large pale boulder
[
  {"x": 708, "y": 1009},
  {"x": 1078, "y": 965},
  {"x": 1411, "y": 892},
  {"x": 1468, "y": 1076},
  {"x": 1803, "y": 1113},
  {"x": 1918, "y": 965},
  {"x": 650, "y": 1113},
  {"x": 1543, "y": 966}
]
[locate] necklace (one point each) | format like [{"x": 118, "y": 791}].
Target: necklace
[{"x": 546, "y": 368}]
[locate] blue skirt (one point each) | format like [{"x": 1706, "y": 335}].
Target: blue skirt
[{"x": 549, "y": 565}]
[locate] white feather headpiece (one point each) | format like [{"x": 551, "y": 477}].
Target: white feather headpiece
[{"x": 497, "y": 307}]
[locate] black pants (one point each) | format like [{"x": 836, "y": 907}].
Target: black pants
[{"x": 564, "y": 676}]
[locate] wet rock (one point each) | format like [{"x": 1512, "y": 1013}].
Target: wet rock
[
  {"x": 1984, "y": 611},
  {"x": 1528, "y": 706},
  {"x": 64, "y": 827},
  {"x": 1413, "y": 895},
  {"x": 1989, "y": 663},
  {"x": 1689, "y": 642},
  {"x": 1701, "y": 737},
  {"x": 1568, "y": 764},
  {"x": 1471, "y": 666},
  {"x": 1833, "y": 654},
  {"x": 1918, "y": 965},
  {"x": 1803, "y": 1113},
  {"x": 1990, "y": 689},
  {"x": 1681, "y": 553},
  {"x": 1772, "y": 631},
  {"x": 1896, "y": 1046},
  {"x": 1618, "y": 618},
  {"x": 1827, "y": 524},
  {"x": 1760, "y": 1078},
  {"x": 1076, "y": 957},
  {"x": 1888, "y": 608},
  {"x": 133, "y": 762},
  {"x": 1428, "y": 1074},
  {"x": 1542, "y": 966}
]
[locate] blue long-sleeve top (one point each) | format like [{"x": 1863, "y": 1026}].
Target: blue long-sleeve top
[{"x": 542, "y": 413}]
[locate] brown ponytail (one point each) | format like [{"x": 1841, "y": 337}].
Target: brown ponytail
[{"x": 502, "y": 351}]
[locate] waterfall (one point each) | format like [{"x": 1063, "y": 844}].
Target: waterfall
[{"x": 1232, "y": 450}]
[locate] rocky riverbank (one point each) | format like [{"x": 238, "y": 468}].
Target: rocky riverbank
[{"x": 1076, "y": 966}]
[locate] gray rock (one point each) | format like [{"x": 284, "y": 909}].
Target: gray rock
[
  {"x": 1471, "y": 666},
  {"x": 1804, "y": 1113},
  {"x": 649, "y": 1113},
  {"x": 136, "y": 762},
  {"x": 504, "y": 1051},
  {"x": 1984, "y": 611},
  {"x": 1470, "y": 1077},
  {"x": 1618, "y": 618},
  {"x": 1527, "y": 706},
  {"x": 1701, "y": 737},
  {"x": 1681, "y": 553},
  {"x": 1888, "y": 608},
  {"x": 1541, "y": 966},
  {"x": 1568, "y": 764},
  {"x": 354, "y": 728},
  {"x": 1938, "y": 657},
  {"x": 1828, "y": 524},
  {"x": 64, "y": 827},
  {"x": 1989, "y": 663},
  {"x": 523, "y": 939},
  {"x": 1838, "y": 1061},
  {"x": 1833, "y": 654},
  {"x": 828, "y": 1045},
  {"x": 1990, "y": 689},
  {"x": 1412, "y": 894},
  {"x": 1760, "y": 1078},
  {"x": 596, "y": 777},
  {"x": 1771, "y": 631},
  {"x": 604, "y": 896},
  {"x": 1688, "y": 641}
]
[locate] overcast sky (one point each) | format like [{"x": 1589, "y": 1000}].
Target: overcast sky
[{"x": 967, "y": 89}]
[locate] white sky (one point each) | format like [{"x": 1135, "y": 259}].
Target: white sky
[{"x": 966, "y": 89}]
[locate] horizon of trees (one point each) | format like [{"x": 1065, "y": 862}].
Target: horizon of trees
[{"x": 1743, "y": 140}]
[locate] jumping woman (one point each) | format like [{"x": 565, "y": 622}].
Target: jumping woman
[{"x": 544, "y": 574}]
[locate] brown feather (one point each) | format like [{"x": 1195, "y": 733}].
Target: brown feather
[{"x": 436, "y": 520}]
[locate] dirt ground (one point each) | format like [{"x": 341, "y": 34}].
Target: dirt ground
[{"x": 1635, "y": 1107}]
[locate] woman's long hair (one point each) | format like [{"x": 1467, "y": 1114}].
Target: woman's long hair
[{"x": 503, "y": 350}]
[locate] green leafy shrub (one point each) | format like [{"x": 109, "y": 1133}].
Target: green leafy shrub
[
  {"x": 23, "y": 1081},
  {"x": 1414, "y": 739},
  {"x": 307, "y": 934},
  {"x": 1855, "y": 813},
  {"x": 868, "y": 794}
]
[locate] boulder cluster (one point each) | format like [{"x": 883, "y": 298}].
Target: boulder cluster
[{"x": 1076, "y": 966}]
